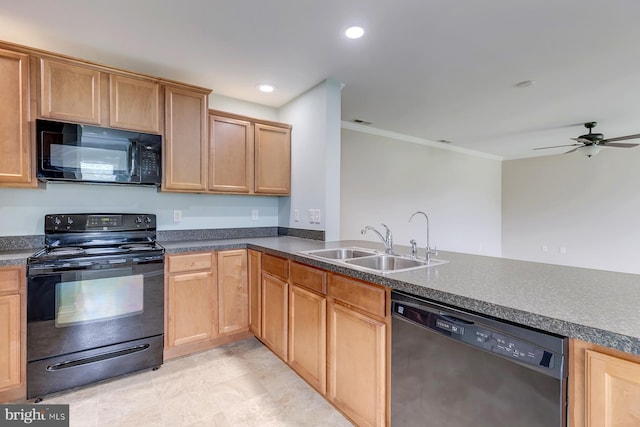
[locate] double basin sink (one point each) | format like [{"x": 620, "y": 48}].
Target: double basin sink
[{"x": 370, "y": 260}]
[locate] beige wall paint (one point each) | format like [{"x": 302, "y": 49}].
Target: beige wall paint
[
  {"x": 386, "y": 180},
  {"x": 589, "y": 206}
]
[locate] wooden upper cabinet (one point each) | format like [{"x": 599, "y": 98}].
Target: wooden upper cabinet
[
  {"x": 248, "y": 156},
  {"x": 83, "y": 93},
  {"x": 272, "y": 159},
  {"x": 185, "y": 140},
  {"x": 134, "y": 104},
  {"x": 230, "y": 155},
  {"x": 69, "y": 92},
  {"x": 16, "y": 153}
]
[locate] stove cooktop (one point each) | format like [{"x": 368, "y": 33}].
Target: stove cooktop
[{"x": 66, "y": 252}]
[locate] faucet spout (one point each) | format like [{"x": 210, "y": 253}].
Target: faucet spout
[
  {"x": 387, "y": 239},
  {"x": 429, "y": 250}
]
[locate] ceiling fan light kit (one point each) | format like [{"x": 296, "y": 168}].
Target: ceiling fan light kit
[
  {"x": 591, "y": 143},
  {"x": 590, "y": 150}
]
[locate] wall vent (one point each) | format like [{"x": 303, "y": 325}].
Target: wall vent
[{"x": 362, "y": 122}]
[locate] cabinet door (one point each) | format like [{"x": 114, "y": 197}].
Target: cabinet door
[
  {"x": 255, "y": 292},
  {"x": 612, "y": 391},
  {"x": 272, "y": 159},
  {"x": 69, "y": 92},
  {"x": 191, "y": 308},
  {"x": 185, "y": 149},
  {"x": 134, "y": 104},
  {"x": 15, "y": 136},
  {"x": 10, "y": 342},
  {"x": 233, "y": 298},
  {"x": 356, "y": 366},
  {"x": 308, "y": 336},
  {"x": 274, "y": 314},
  {"x": 230, "y": 155}
]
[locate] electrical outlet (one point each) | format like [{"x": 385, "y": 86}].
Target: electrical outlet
[
  {"x": 296, "y": 215},
  {"x": 562, "y": 250},
  {"x": 545, "y": 248},
  {"x": 311, "y": 216},
  {"x": 255, "y": 214},
  {"x": 317, "y": 216},
  {"x": 177, "y": 216}
]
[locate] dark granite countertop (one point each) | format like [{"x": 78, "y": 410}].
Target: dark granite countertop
[{"x": 592, "y": 305}]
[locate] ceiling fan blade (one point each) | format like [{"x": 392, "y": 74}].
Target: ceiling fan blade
[
  {"x": 619, "y": 145},
  {"x": 583, "y": 140},
  {"x": 571, "y": 151},
  {"x": 558, "y": 146},
  {"x": 620, "y": 138}
]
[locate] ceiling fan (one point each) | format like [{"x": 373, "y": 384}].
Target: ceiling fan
[{"x": 592, "y": 143}]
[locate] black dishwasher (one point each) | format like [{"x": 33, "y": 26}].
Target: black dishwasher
[{"x": 453, "y": 368}]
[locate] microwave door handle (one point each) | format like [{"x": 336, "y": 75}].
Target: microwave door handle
[{"x": 133, "y": 152}]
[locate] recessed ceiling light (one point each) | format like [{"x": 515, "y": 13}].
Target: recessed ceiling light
[
  {"x": 525, "y": 83},
  {"x": 354, "y": 32},
  {"x": 265, "y": 87}
]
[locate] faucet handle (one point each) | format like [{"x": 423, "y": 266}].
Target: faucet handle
[
  {"x": 388, "y": 236},
  {"x": 414, "y": 248}
]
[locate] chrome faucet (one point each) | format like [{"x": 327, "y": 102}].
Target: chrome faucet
[
  {"x": 387, "y": 239},
  {"x": 429, "y": 250}
]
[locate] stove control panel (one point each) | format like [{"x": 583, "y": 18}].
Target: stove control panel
[{"x": 72, "y": 223}]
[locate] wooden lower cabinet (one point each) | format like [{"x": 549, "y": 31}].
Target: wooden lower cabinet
[
  {"x": 205, "y": 301},
  {"x": 308, "y": 336},
  {"x": 275, "y": 295},
  {"x": 255, "y": 291},
  {"x": 357, "y": 365},
  {"x": 191, "y": 300},
  {"x": 604, "y": 389},
  {"x": 12, "y": 334},
  {"x": 233, "y": 292}
]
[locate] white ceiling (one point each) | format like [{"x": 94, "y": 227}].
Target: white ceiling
[{"x": 428, "y": 69}]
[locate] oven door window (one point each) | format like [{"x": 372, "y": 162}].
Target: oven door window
[{"x": 90, "y": 299}]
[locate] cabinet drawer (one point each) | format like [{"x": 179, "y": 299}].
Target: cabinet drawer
[
  {"x": 308, "y": 277},
  {"x": 190, "y": 262},
  {"x": 367, "y": 297},
  {"x": 10, "y": 279},
  {"x": 275, "y": 265}
]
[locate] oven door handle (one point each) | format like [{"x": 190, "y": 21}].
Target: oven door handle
[{"x": 97, "y": 358}]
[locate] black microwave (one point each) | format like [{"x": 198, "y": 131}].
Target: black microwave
[{"x": 83, "y": 153}]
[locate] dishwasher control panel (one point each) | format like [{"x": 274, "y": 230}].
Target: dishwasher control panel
[{"x": 475, "y": 334}]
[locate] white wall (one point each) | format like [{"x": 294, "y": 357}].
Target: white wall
[
  {"x": 244, "y": 108},
  {"x": 589, "y": 206},
  {"x": 386, "y": 180},
  {"x": 315, "y": 159}
]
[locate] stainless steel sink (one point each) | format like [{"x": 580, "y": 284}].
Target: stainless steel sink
[
  {"x": 392, "y": 263},
  {"x": 387, "y": 262},
  {"x": 341, "y": 253},
  {"x": 370, "y": 260}
]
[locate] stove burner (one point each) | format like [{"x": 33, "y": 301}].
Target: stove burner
[
  {"x": 138, "y": 246},
  {"x": 67, "y": 250}
]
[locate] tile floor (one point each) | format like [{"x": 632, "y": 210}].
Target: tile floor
[{"x": 239, "y": 384}]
